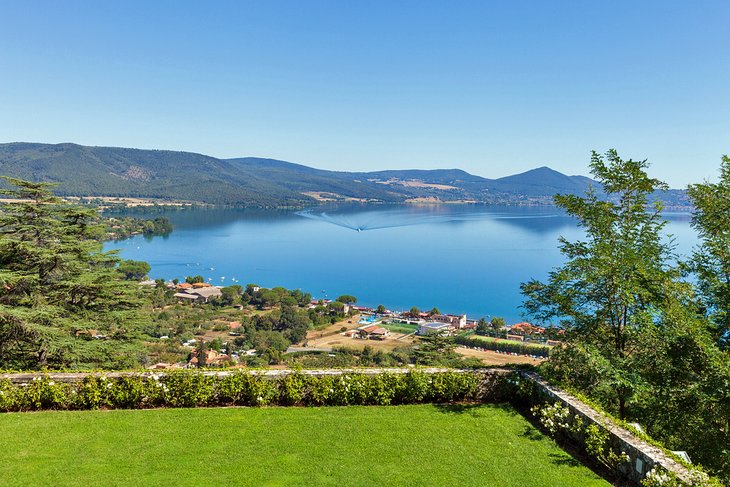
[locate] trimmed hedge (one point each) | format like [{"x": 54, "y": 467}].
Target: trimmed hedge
[
  {"x": 193, "y": 389},
  {"x": 505, "y": 346}
]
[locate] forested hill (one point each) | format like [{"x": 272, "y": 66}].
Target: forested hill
[{"x": 250, "y": 181}]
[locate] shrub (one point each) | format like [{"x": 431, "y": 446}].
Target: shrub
[
  {"x": 243, "y": 389},
  {"x": 187, "y": 389},
  {"x": 191, "y": 388}
]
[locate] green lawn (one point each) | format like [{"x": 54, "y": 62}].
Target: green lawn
[
  {"x": 339, "y": 446},
  {"x": 400, "y": 328}
]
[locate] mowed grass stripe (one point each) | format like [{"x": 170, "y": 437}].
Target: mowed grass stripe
[{"x": 356, "y": 445}]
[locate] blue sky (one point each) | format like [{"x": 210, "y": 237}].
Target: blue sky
[{"x": 491, "y": 87}]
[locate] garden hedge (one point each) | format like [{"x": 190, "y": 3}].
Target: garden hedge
[{"x": 240, "y": 388}]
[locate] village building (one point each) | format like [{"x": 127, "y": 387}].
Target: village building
[
  {"x": 207, "y": 293},
  {"x": 191, "y": 298},
  {"x": 433, "y": 328},
  {"x": 199, "y": 295},
  {"x": 458, "y": 322},
  {"x": 362, "y": 309},
  {"x": 212, "y": 358},
  {"x": 373, "y": 332},
  {"x": 526, "y": 328}
]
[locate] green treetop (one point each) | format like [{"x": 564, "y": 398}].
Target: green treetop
[
  {"x": 347, "y": 299},
  {"x": 711, "y": 261}
]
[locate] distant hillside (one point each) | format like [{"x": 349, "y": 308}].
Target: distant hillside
[
  {"x": 257, "y": 182},
  {"x": 542, "y": 181},
  {"x": 112, "y": 171},
  {"x": 303, "y": 179}
]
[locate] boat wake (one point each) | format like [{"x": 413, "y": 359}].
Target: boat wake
[{"x": 361, "y": 222}]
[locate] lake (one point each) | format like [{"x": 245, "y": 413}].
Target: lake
[{"x": 460, "y": 258}]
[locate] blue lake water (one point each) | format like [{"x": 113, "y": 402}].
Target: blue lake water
[{"x": 460, "y": 258}]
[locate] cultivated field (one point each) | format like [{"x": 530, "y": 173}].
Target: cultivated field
[
  {"x": 489, "y": 357},
  {"x": 330, "y": 337},
  {"x": 369, "y": 445}
]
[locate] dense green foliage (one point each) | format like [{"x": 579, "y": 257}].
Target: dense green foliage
[
  {"x": 711, "y": 261},
  {"x": 118, "y": 228},
  {"x": 193, "y": 389},
  {"x": 615, "y": 283},
  {"x": 134, "y": 270},
  {"x": 59, "y": 289},
  {"x": 353, "y": 446},
  {"x": 638, "y": 341}
]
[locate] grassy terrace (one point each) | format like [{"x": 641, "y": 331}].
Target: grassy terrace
[
  {"x": 400, "y": 328},
  {"x": 355, "y": 445}
]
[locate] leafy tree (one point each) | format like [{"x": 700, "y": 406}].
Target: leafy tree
[
  {"x": 194, "y": 279},
  {"x": 347, "y": 299},
  {"x": 56, "y": 281},
  {"x": 435, "y": 349},
  {"x": 434, "y": 311},
  {"x": 381, "y": 309},
  {"x": 711, "y": 261},
  {"x": 414, "y": 312},
  {"x": 336, "y": 308},
  {"x": 482, "y": 326},
  {"x": 263, "y": 340},
  {"x": 293, "y": 323},
  {"x": 685, "y": 401},
  {"x": 231, "y": 294},
  {"x": 201, "y": 352},
  {"x": 269, "y": 298},
  {"x": 497, "y": 323},
  {"x": 615, "y": 282},
  {"x": 637, "y": 341},
  {"x": 134, "y": 270},
  {"x": 215, "y": 344}
]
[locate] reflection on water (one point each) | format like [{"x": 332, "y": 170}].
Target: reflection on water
[{"x": 461, "y": 258}]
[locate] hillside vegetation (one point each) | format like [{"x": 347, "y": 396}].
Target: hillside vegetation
[{"x": 256, "y": 182}]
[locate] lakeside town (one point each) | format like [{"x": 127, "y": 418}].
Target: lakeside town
[
  {"x": 365, "y": 244},
  {"x": 356, "y": 327}
]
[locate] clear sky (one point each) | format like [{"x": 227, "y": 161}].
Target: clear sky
[{"x": 494, "y": 88}]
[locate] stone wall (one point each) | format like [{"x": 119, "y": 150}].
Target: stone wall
[{"x": 643, "y": 455}]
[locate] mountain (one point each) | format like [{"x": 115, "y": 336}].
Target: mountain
[
  {"x": 303, "y": 179},
  {"x": 542, "y": 181},
  {"x": 259, "y": 182}
]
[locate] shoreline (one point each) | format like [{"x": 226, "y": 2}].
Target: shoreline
[{"x": 105, "y": 203}]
